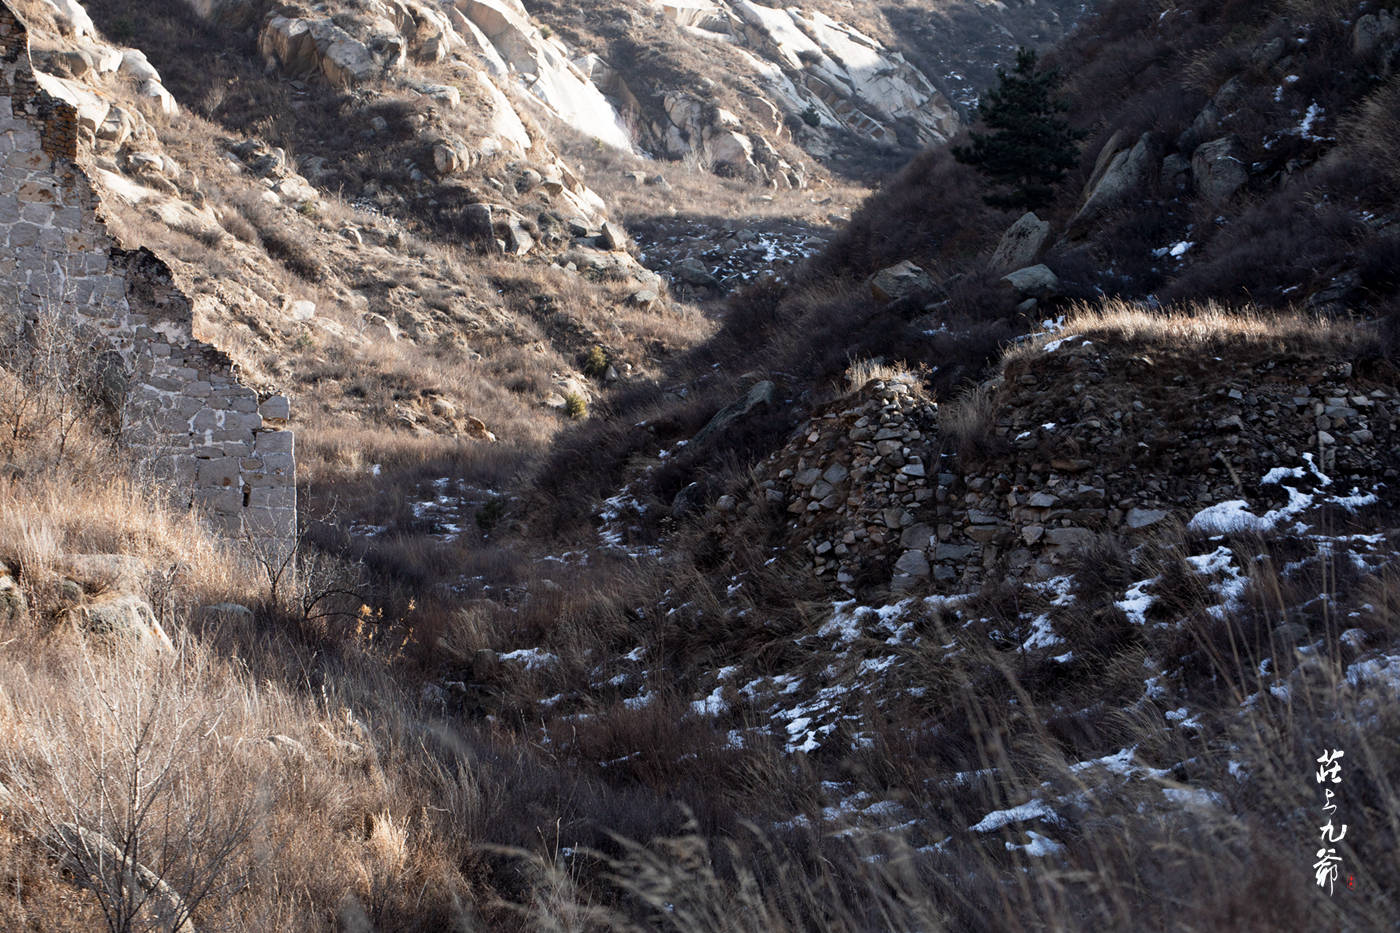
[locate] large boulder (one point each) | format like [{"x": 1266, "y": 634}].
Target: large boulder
[
  {"x": 1021, "y": 244},
  {"x": 235, "y": 613},
  {"x": 1124, "y": 175},
  {"x": 688, "y": 501},
  {"x": 125, "y": 619},
  {"x": 301, "y": 46},
  {"x": 1375, "y": 35},
  {"x": 497, "y": 18},
  {"x": 613, "y": 237},
  {"x": 694, "y": 272},
  {"x": 1176, "y": 173},
  {"x": 94, "y": 856},
  {"x": 902, "y": 280},
  {"x": 105, "y": 573},
  {"x": 730, "y": 152},
  {"x": 1038, "y": 282},
  {"x": 1117, "y": 142},
  {"x": 518, "y": 238},
  {"x": 344, "y": 61},
  {"x": 449, "y": 157},
  {"x": 762, "y": 394},
  {"x": 1218, "y": 168}
]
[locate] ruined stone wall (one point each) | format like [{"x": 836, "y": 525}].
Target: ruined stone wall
[
  {"x": 1082, "y": 440},
  {"x": 182, "y": 405}
]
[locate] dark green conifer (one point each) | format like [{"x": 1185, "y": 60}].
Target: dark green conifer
[{"x": 1029, "y": 147}]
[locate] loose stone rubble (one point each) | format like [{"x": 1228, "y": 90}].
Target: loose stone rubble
[{"x": 1080, "y": 442}]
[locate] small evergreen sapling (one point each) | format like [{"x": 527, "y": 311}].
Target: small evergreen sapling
[{"x": 1029, "y": 147}]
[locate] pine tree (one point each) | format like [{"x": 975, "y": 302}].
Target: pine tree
[{"x": 1030, "y": 147}]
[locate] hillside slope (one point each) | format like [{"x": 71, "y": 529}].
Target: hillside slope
[{"x": 762, "y": 569}]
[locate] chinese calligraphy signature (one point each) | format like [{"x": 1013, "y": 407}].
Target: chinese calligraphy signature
[{"x": 1328, "y": 864}]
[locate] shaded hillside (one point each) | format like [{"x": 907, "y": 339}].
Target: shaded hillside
[
  {"x": 1236, "y": 156},
  {"x": 1243, "y": 149},
  {"x": 974, "y": 572}
]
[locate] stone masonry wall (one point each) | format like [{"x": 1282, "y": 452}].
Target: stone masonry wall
[{"x": 182, "y": 405}]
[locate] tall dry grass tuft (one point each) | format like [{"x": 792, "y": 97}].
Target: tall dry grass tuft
[
  {"x": 1374, "y": 129},
  {"x": 862, "y": 372},
  {"x": 967, "y": 424},
  {"x": 1205, "y": 325}
]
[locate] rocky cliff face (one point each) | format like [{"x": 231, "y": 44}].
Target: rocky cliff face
[
  {"x": 817, "y": 79},
  {"x": 763, "y": 91},
  {"x": 392, "y": 45}
]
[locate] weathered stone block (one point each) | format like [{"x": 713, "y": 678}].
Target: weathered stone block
[
  {"x": 274, "y": 442},
  {"x": 275, "y": 464},
  {"x": 234, "y": 421},
  {"x": 278, "y": 523},
  {"x": 278, "y": 407},
  {"x": 41, "y": 214},
  {"x": 272, "y": 497},
  {"x": 220, "y": 498},
  {"x": 221, "y": 471},
  {"x": 206, "y": 419},
  {"x": 23, "y": 234}
]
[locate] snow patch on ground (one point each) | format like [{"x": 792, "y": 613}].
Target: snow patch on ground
[
  {"x": 1030, "y": 810},
  {"x": 1137, "y": 601},
  {"x": 532, "y": 659}
]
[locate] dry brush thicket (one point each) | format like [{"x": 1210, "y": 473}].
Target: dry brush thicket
[{"x": 480, "y": 718}]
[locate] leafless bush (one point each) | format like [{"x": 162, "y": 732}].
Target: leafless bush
[
  {"x": 57, "y": 370},
  {"x": 298, "y": 577},
  {"x": 116, "y": 781}
]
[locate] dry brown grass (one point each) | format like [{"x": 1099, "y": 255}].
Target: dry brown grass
[
  {"x": 91, "y": 499},
  {"x": 1185, "y": 845},
  {"x": 862, "y": 372},
  {"x": 229, "y": 748},
  {"x": 1198, "y": 327},
  {"x": 967, "y": 424},
  {"x": 1374, "y": 129},
  {"x": 372, "y": 803}
]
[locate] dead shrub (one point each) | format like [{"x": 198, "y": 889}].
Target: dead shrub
[{"x": 967, "y": 425}]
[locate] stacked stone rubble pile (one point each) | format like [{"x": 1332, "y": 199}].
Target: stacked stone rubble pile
[
  {"x": 1083, "y": 441},
  {"x": 853, "y": 482}
]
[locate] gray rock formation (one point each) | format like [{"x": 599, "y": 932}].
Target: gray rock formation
[
  {"x": 317, "y": 46},
  {"x": 1118, "y": 178},
  {"x": 902, "y": 280},
  {"x": 1039, "y": 282},
  {"x": 1375, "y": 35},
  {"x": 1218, "y": 169},
  {"x": 98, "y": 860},
  {"x": 13, "y": 603},
  {"x": 125, "y": 619},
  {"x": 1021, "y": 244},
  {"x": 762, "y": 394}
]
